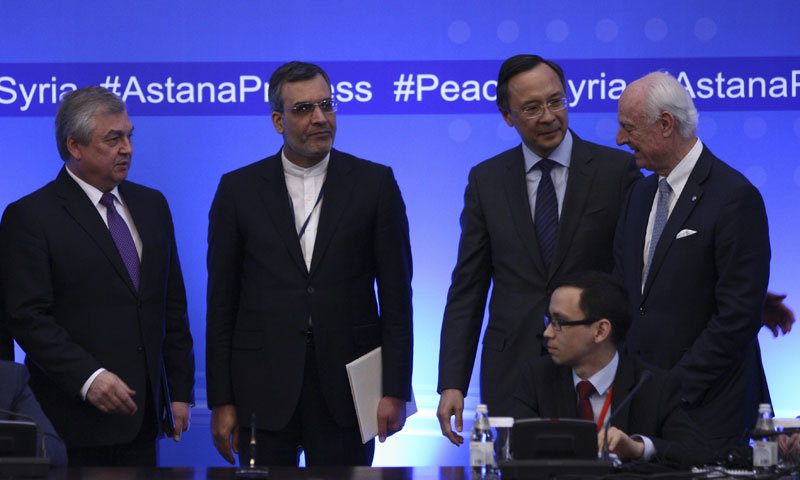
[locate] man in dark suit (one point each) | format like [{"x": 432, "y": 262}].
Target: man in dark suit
[
  {"x": 692, "y": 249},
  {"x": 16, "y": 396},
  {"x": 297, "y": 243},
  {"x": 519, "y": 231},
  {"x": 589, "y": 317},
  {"x": 93, "y": 292}
]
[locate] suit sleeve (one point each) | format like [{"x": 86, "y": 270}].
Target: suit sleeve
[
  {"x": 177, "y": 350},
  {"x": 224, "y": 267},
  {"x": 393, "y": 276},
  {"x": 741, "y": 254},
  {"x": 26, "y": 284},
  {"x": 24, "y": 402},
  {"x": 678, "y": 440},
  {"x": 466, "y": 300}
]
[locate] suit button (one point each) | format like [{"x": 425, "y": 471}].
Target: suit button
[
  {"x": 310, "y": 289},
  {"x": 642, "y": 311},
  {"x": 140, "y": 349}
]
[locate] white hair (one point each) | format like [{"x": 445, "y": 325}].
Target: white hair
[{"x": 665, "y": 93}]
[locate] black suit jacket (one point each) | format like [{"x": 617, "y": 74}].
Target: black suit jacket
[
  {"x": 701, "y": 307},
  {"x": 498, "y": 245},
  {"x": 16, "y": 396},
  {"x": 261, "y": 295},
  {"x": 72, "y": 307},
  {"x": 546, "y": 390}
]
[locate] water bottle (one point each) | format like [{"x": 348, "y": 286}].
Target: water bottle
[
  {"x": 765, "y": 446},
  {"x": 481, "y": 446}
]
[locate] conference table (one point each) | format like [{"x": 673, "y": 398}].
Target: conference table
[{"x": 275, "y": 473}]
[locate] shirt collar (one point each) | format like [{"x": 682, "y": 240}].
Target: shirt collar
[
  {"x": 94, "y": 193},
  {"x": 561, "y": 155},
  {"x": 679, "y": 175},
  {"x": 290, "y": 168},
  {"x": 604, "y": 378}
]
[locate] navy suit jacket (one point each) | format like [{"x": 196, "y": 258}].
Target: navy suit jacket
[
  {"x": 70, "y": 304},
  {"x": 261, "y": 295},
  {"x": 546, "y": 390},
  {"x": 498, "y": 246},
  {"x": 701, "y": 307},
  {"x": 16, "y": 396}
]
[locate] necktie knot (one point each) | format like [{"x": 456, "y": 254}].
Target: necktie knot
[
  {"x": 545, "y": 165},
  {"x": 107, "y": 200},
  {"x": 663, "y": 187}
]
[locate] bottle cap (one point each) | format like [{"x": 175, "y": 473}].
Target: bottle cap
[
  {"x": 482, "y": 408},
  {"x": 764, "y": 407}
]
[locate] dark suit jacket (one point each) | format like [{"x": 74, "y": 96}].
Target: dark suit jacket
[
  {"x": 498, "y": 245},
  {"x": 701, "y": 308},
  {"x": 546, "y": 390},
  {"x": 16, "y": 396},
  {"x": 72, "y": 307},
  {"x": 261, "y": 295}
]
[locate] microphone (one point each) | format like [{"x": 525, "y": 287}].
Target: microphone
[{"x": 642, "y": 380}]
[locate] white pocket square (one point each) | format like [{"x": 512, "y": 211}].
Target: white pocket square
[{"x": 685, "y": 233}]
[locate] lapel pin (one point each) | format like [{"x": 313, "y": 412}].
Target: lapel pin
[{"x": 694, "y": 198}]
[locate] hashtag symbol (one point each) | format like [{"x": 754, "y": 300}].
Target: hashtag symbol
[
  {"x": 113, "y": 86},
  {"x": 405, "y": 87}
]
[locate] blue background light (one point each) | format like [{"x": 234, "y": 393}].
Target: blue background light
[{"x": 183, "y": 149}]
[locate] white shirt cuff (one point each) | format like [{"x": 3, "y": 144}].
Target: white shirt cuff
[
  {"x": 649, "y": 448},
  {"x": 88, "y": 383}
]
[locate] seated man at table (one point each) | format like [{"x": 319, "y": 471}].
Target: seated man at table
[{"x": 587, "y": 376}]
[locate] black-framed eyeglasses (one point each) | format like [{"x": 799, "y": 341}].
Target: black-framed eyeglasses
[
  {"x": 558, "y": 325},
  {"x": 537, "y": 109},
  {"x": 307, "y": 108}
]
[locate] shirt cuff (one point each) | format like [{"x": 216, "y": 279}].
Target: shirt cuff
[
  {"x": 88, "y": 383},
  {"x": 649, "y": 448}
]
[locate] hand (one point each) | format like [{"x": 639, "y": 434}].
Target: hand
[
  {"x": 391, "y": 416},
  {"x": 224, "y": 425},
  {"x": 777, "y": 315},
  {"x": 789, "y": 447},
  {"x": 451, "y": 403},
  {"x": 111, "y": 395},
  {"x": 621, "y": 444},
  {"x": 181, "y": 415}
]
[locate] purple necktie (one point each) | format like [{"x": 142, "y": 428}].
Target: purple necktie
[{"x": 123, "y": 238}]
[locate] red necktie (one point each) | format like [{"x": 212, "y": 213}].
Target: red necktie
[{"x": 585, "y": 389}]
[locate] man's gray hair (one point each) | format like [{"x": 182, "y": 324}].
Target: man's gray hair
[
  {"x": 74, "y": 117},
  {"x": 665, "y": 93}
]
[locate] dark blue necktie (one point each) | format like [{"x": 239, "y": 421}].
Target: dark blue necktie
[
  {"x": 545, "y": 217},
  {"x": 123, "y": 238}
]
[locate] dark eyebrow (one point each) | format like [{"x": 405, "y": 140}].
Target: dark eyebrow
[{"x": 117, "y": 133}]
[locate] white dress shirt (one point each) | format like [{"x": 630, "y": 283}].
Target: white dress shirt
[
  {"x": 559, "y": 174},
  {"x": 304, "y": 186}
]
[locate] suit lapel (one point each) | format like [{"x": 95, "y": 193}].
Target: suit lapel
[
  {"x": 275, "y": 198},
  {"x": 517, "y": 196},
  {"x": 623, "y": 383},
  {"x": 579, "y": 182},
  {"x": 80, "y": 208},
  {"x": 689, "y": 198},
  {"x": 639, "y": 218},
  {"x": 338, "y": 191}
]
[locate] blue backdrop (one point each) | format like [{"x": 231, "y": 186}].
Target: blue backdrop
[{"x": 416, "y": 85}]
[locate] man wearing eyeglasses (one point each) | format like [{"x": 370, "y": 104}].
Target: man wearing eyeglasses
[
  {"x": 297, "y": 243},
  {"x": 533, "y": 213},
  {"x": 586, "y": 377}
]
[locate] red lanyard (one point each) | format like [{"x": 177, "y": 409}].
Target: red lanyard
[{"x": 606, "y": 404}]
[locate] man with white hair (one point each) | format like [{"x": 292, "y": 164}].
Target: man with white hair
[{"x": 692, "y": 248}]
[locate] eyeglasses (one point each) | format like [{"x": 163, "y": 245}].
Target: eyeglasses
[
  {"x": 558, "y": 325},
  {"x": 307, "y": 108},
  {"x": 537, "y": 109}
]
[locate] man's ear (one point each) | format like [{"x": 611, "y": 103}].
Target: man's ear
[
  {"x": 277, "y": 122},
  {"x": 603, "y": 330},
  {"x": 667, "y": 123},
  {"x": 74, "y": 147}
]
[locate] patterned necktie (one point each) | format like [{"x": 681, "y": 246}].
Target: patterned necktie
[
  {"x": 585, "y": 389},
  {"x": 662, "y": 213},
  {"x": 545, "y": 217},
  {"x": 122, "y": 237}
]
